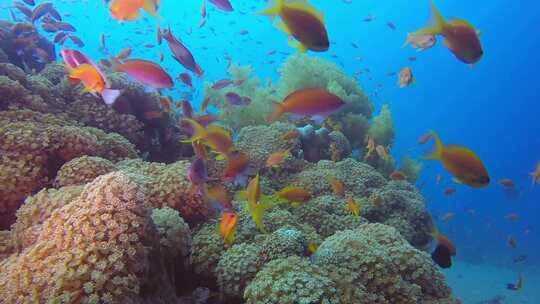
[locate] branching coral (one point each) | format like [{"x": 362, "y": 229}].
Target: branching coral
[
  {"x": 383, "y": 266},
  {"x": 100, "y": 248},
  {"x": 245, "y": 85}
]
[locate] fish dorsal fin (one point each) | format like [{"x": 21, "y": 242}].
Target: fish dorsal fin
[
  {"x": 306, "y": 7},
  {"x": 459, "y": 21}
]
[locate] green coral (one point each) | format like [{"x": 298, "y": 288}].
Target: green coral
[
  {"x": 237, "y": 267},
  {"x": 175, "y": 236},
  {"x": 292, "y": 280},
  {"x": 246, "y": 85},
  {"x": 411, "y": 168},
  {"x": 282, "y": 243},
  {"x": 355, "y": 128},
  {"x": 206, "y": 250},
  {"x": 385, "y": 266},
  {"x": 302, "y": 71},
  {"x": 382, "y": 128}
]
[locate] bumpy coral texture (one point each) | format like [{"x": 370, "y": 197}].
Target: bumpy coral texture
[
  {"x": 382, "y": 128},
  {"x": 100, "y": 248},
  {"x": 34, "y": 146},
  {"x": 82, "y": 170},
  {"x": 383, "y": 266},
  {"x": 6, "y": 245},
  {"x": 283, "y": 243},
  {"x": 168, "y": 186},
  {"x": 401, "y": 206},
  {"x": 36, "y": 209},
  {"x": 289, "y": 281},
  {"x": 175, "y": 235},
  {"x": 246, "y": 85},
  {"x": 237, "y": 267},
  {"x": 208, "y": 246},
  {"x": 261, "y": 141}
]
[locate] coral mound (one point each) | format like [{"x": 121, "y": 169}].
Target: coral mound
[
  {"x": 379, "y": 266},
  {"x": 100, "y": 248},
  {"x": 34, "y": 146}
]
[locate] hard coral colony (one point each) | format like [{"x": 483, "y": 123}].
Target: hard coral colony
[{"x": 118, "y": 185}]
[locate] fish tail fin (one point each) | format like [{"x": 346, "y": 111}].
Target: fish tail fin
[
  {"x": 438, "y": 148},
  {"x": 408, "y": 40},
  {"x": 275, "y": 9},
  {"x": 278, "y": 111},
  {"x": 436, "y": 25},
  {"x": 110, "y": 96}
]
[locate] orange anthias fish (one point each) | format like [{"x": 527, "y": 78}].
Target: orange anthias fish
[
  {"x": 536, "y": 174},
  {"x": 506, "y": 183},
  {"x": 227, "y": 227},
  {"x": 420, "y": 42},
  {"x": 353, "y": 206},
  {"x": 512, "y": 217},
  {"x": 317, "y": 103},
  {"x": 398, "y": 176},
  {"x": 424, "y": 138},
  {"x": 370, "y": 147},
  {"x": 462, "y": 163},
  {"x": 93, "y": 82},
  {"x": 237, "y": 168},
  {"x": 405, "y": 77},
  {"x": 337, "y": 186},
  {"x": 129, "y": 10},
  {"x": 215, "y": 137},
  {"x": 294, "y": 194},
  {"x": 461, "y": 37},
  {"x": 303, "y": 22},
  {"x": 277, "y": 158},
  {"x": 449, "y": 191},
  {"x": 146, "y": 72},
  {"x": 445, "y": 250}
]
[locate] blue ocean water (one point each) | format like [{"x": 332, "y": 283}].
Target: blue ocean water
[{"x": 491, "y": 107}]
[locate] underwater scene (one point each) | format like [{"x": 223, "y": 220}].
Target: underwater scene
[{"x": 269, "y": 151}]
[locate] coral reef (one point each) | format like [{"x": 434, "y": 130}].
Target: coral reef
[
  {"x": 245, "y": 84},
  {"x": 6, "y": 245},
  {"x": 34, "y": 146},
  {"x": 302, "y": 71},
  {"x": 411, "y": 168},
  {"x": 82, "y": 170},
  {"x": 291, "y": 280},
  {"x": 100, "y": 248},
  {"x": 382, "y": 128},
  {"x": 208, "y": 246},
  {"x": 379, "y": 266},
  {"x": 401, "y": 207}
]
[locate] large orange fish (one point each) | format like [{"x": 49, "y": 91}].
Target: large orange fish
[
  {"x": 215, "y": 137},
  {"x": 129, "y": 10},
  {"x": 294, "y": 194},
  {"x": 461, "y": 37},
  {"x": 227, "y": 227},
  {"x": 303, "y": 22},
  {"x": 237, "y": 168},
  {"x": 93, "y": 82},
  {"x": 277, "y": 158},
  {"x": 461, "y": 162},
  {"x": 317, "y": 103}
]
